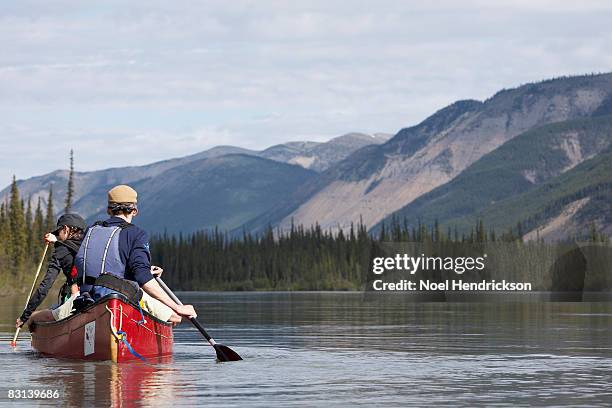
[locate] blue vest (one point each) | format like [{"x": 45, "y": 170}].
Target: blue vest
[{"x": 99, "y": 254}]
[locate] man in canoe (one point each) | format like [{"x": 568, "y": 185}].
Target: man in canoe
[
  {"x": 115, "y": 257},
  {"x": 67, "y": 239}
]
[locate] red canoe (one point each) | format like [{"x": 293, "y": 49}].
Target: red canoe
[{"x": 105, "y": 330}]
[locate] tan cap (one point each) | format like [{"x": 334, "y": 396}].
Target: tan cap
[{"x": 122, "y": 194}]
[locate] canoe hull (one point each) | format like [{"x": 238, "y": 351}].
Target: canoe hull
[{"x": 97, "y": 333}]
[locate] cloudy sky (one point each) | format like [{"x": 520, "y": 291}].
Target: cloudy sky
[{"x": 130, "y": 84}]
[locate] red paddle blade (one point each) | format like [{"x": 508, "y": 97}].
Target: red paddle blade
[{"x": 225, "y": 353}]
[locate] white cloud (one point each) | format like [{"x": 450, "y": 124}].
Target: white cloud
[
  {"x": 101, "y": 148},
  {"x": 176, "y": 77}
]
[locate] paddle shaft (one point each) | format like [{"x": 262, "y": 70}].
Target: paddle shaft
[
  {"x": 224, "y": 353},
  {"x": 14, "y": 342},
  {"x": 177, "y": 301}
]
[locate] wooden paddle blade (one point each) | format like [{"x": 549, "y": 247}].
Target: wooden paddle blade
[{"x": 225, "y": 353}]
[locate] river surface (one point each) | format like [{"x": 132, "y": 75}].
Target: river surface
[{"x": 344, "y": 349}]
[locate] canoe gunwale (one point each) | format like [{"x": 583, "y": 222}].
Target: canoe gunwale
[{"x": 105, "y": 299}]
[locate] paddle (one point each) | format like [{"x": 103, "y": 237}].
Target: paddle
[
  {"x": 224, "y": 353},
  {"x": 14, "y": 342}
]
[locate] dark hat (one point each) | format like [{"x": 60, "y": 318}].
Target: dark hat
[{"x": 71, "y": 220}]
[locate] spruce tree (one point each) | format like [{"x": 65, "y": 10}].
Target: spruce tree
[
  {"x": 5, "y": 249},
  {"x": 49, "y": 216},
  {"x": 39, "y": 220},
  {"x": 70, "y": 189},
  {"x": 481, "y": 234},
  {"x": 593, "y": 235},
  {"x": 17, "y": 229},
  {"x": 519, "y": 230},
  {"x": 38, "y": 230},
  {"x": 28, "y": 227}
]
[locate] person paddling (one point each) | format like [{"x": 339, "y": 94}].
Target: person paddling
[
  {"x": 115, "y": 257},
  {"x": 67, "y": 239}
]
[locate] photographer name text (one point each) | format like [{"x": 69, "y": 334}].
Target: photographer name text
[{"x": 450, "y": 285}]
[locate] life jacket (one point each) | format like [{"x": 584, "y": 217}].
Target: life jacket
[{"x": 99, "y": 254}]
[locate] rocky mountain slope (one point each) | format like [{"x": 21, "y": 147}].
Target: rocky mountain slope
[
  {"x": 564, "y": 206},
  {"x": 321, "y": 156},
  {"x": 522, "y": 164},
  {"x": 376, "y": 180}
]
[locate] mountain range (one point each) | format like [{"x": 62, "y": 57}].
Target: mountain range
[
  {"x": 535, "y": 178},
  {"x": 222, "y": 187},
  {"x": 378, "y": 180},
  {"x": 537, "y": 154}
]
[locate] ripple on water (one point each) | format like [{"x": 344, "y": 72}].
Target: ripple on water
[{"x": 324, "y": 350}]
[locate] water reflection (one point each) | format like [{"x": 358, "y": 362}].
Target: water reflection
[
  {"x": 321, "y": 349},
  {"x": 396, "y": 323},
  {"x": 107, "y": 384}
]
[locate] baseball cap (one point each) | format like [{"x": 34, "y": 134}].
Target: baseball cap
[{"x": 71, "y": 220}]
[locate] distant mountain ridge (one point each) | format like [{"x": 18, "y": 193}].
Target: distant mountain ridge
[
  {"x": 321, "y": 156},
  {"x": 377, "y": 180},
  {"x": 91, "y": 187},
  {"x": 195, "y": 196},
  {"x": 524, "y": 163},
  {"x": 535, "y": 154}
]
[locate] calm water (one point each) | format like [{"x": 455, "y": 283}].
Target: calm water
[{"x": 340, "y": 349}]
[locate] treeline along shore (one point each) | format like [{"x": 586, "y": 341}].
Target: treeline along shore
[
  {"x": 315, "y": 259},
  {"x": 22, "y": 227}
]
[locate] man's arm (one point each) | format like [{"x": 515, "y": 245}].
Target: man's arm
[
  {"x": 139, "y": 259},
  {"x": 154, "y": 290},
  {"x": 139, "y": 263}
]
